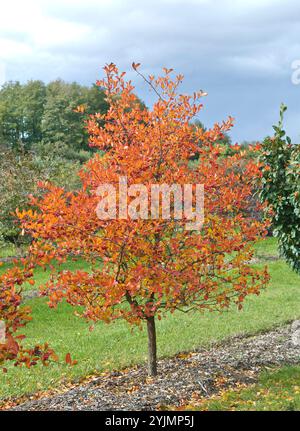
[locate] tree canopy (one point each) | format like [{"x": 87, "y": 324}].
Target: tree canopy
[
  {"x": 144, "y": 268},
  {"x": 42, "y": 118}
]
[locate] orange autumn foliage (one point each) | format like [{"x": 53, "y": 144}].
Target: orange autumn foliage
[
  {"x": 15, "y": 316},
  {"x": 144, "y": 268}
]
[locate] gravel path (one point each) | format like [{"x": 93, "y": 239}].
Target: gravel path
[{"x": 181, "y": 379}]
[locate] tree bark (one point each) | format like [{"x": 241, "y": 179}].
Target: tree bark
[{"x": 152, "y": 358}]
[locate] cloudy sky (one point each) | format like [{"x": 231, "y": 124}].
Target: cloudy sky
[{"x": 240, "y": 51}]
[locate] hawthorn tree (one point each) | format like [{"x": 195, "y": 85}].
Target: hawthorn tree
[{"x": 143, "y": 269}]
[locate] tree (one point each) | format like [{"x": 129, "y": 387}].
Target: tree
[
  {"x": 281, "y": 191},
  {"x": 11, "y": 116},
  {"x": 39, "y": 117},
  {"x": 60, "y": 127},
  {"x": 20, "y": 173},
  {"x": 34, "y": 99},
  {"x": 143, "y": 269},
  {"x": 62, "y": 130},
  {"x": 21, "y": 110}
]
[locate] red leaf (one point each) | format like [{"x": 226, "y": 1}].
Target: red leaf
[
  {"x": 12, "y": 345},
  {"x": 135, "y": 65},
  {"x": 68, "y": 359}
]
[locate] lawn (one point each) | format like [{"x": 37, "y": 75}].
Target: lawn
[
  {"x": 7, "y": 250},
  {"x": 275, "y": 391},
  {"x": 116, "y": 346}
]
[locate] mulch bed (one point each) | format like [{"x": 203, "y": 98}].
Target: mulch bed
[{"x": 182, "y": 379}]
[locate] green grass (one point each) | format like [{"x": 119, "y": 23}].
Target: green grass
[
  {"x": 266, "y": 249},
  {"x": 41, "y": 276},
  {"x": 275, "y": 391},
  {"x": 8, "y": 250},
  {"x": 116, "y": 346}
]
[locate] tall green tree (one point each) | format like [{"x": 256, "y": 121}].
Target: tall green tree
[
  {"x": 60, "y": 126},
  {"x": 63, "y": 130},
  {"x": 12, "y": 130},
  {"x": 33, "y": 101},
  {"x": 43, "y": 118},
  {"x": 21, "y": 111}
]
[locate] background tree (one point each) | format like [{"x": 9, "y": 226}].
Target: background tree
[
  {"x": 33, "y": 102},
  {"x": 142, "y": 269},
  {"x": 281, "y": 191},
  {"x": 21, "y": 173},
  {"x": 41, "y": 118},
  {"x": 12, "y": 129},
  {"x": 62, "y": 129},
  {"x": 21, "y": 111},
  {"x": 41, "y": 135}
]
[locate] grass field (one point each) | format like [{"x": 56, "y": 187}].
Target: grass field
[
  {"x": 115, "y": 346},
  {"x": 275, "y": 391}
]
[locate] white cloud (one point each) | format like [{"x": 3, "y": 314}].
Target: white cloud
[{"x": 260, "y": 64}]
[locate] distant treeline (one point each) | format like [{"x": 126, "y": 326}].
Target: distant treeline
[{"x": 40, "y": 117}]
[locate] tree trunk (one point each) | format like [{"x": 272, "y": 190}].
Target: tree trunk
[{"x": 152, "y": 362}]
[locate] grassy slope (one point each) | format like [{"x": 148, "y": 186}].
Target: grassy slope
[{"x": 114, "y": 346}]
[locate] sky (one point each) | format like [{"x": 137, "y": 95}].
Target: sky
[{"x": 244, "y": 53}]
